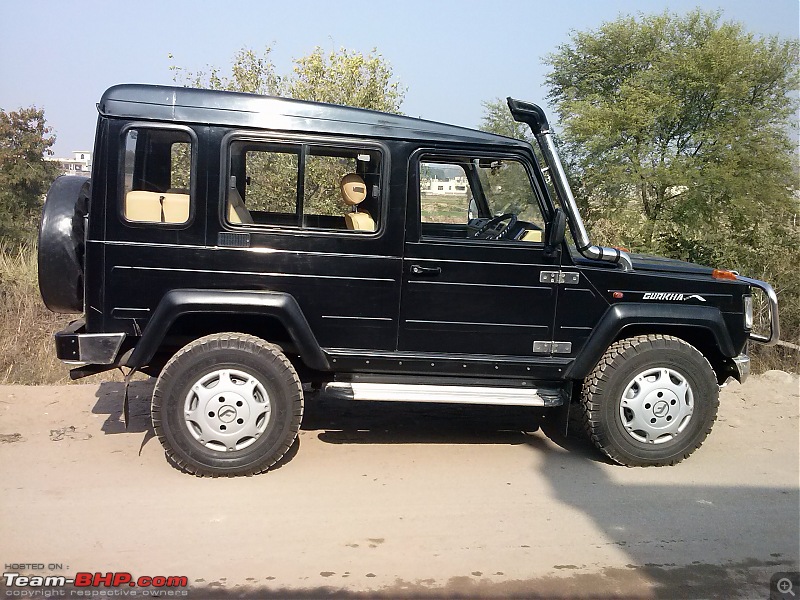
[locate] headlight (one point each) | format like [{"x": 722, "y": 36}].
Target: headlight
[{"x": 748, "y": 312}]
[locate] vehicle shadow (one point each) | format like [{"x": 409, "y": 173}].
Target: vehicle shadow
[
  {"x": 682, "y": 538},
  {"x": 686, "y": 539},
  {"x": 342, "y": 421},
  {"x": 110, "y": 396}
]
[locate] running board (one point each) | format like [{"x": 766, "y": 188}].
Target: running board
[{"x": 445, "y": 394}]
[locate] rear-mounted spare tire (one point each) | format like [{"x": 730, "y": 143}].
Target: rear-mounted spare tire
[{"x": 62, "y": 241}]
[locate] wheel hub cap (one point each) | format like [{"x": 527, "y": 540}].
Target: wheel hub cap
[
  {"x": 227, "y": 410},
  {"x": 227, "y": 413},
  {"x": 656, "y": 406}
]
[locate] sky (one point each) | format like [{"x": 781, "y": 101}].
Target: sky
[{"x": 451, "y": 55}]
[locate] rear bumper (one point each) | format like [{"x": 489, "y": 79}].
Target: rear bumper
[{"x": 75, "y": 346}]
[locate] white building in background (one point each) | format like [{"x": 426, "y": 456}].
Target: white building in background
[
  {"x": 444, "y": 187},
  {"x": 79, "y": 164}
]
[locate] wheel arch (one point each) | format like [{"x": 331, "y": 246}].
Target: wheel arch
[
  {"x": 702, "y": 327},
  {"x": 193, "y": 313}
]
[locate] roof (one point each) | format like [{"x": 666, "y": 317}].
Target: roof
[{"x": 213, "y": 107}]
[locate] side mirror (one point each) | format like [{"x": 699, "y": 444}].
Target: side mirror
[
  {"x": 472, "y": 211},
  {"x": 554, "y": 233}
]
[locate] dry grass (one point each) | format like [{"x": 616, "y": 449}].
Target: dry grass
[{"x": 27, "y": 353}]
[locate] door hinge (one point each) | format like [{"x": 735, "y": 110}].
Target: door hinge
[
  {"x": 552, "y": 347},
  {"x": 567, "y": 277}
]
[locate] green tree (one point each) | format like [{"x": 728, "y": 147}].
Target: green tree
[
  {"x": 678, "y": 130},
  {"x": 343, "y": 77},
  {"x": 250, "y": 72},
  {"x": 25, "y": 174},
  {"x": 346, "y": 77},
  {"x": 497, "y": 119},
  {"x": 684, "y": 120}
]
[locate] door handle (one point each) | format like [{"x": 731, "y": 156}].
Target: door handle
[{"x": 420, "y": 270}]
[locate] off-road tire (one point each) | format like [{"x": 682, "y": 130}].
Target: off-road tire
[
  {"x": 604, "y": 415},
  {"x": 248, "y": 357}
]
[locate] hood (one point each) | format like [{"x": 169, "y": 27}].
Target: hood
[{"x": 646, "y": 262}]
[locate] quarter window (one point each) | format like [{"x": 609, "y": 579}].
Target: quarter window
[{"x": 157, "y": 176}]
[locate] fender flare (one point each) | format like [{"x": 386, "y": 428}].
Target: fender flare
[
  {"x": 179, "y": 302},
  {"x": 620, "y": 316}
]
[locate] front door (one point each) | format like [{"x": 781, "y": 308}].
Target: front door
[{"x": 476, "y": 280}]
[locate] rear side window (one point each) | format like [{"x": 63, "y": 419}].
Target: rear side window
[
  {"x": 157, "y": 176},
  {"x": 310, "y": 186}
]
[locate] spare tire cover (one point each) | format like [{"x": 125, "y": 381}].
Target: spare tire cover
[{"x": 62, "y": 241}]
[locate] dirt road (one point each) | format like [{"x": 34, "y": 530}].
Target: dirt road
[{"x": 403, "y": 501}]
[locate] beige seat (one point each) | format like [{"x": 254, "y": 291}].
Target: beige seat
[
  {"x": 155, "y": 207},
  {"x": 354, "y": 191},
  {"x": 175, "y": 207},
  {"x": 237, "y": 211},
  {"x": 531, "y": 235},
  {"x": 143, "y": 206}
]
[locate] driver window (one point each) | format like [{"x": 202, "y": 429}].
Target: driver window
[{"x": 478, "y": 198}]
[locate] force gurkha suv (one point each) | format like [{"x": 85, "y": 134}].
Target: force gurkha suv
[{"x": 238, "y": 246}]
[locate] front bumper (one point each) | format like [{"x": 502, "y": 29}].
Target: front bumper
[
  {"x": 75, "y": 346},
  {"x": 772, "y": 299}
]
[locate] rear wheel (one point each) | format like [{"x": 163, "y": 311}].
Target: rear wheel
[
  {"x": 227, "y": 404},
  {"x": 650, "y": 401}
]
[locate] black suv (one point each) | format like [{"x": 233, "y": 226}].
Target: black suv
[{"x": 239, "y": 246}]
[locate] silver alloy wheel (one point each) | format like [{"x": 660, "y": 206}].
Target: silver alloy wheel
[
  {"x": 227, "y": 410},
  {"x": 656, "y": 406}
]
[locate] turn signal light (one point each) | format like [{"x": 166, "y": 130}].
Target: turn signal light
[{"x": 721, "y": 274}]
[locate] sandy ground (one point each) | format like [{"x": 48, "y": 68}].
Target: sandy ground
[{"x": 390, "y": 500}]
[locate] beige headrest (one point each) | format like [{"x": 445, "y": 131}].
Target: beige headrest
[{"x": 354, "y": 190}]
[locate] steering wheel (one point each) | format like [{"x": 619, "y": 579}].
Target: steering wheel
[{"x": 494, "y": 222}]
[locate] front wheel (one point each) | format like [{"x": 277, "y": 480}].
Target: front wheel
[
  {"x": 227, "y": 404},
  {"x": 650, "y": 401}
]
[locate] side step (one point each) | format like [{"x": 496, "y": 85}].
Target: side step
[{"x": 445, "y": 394}]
